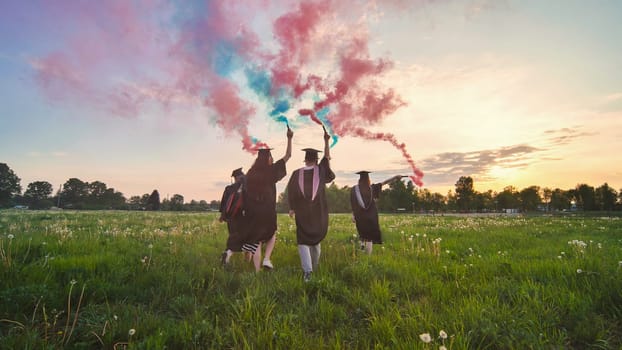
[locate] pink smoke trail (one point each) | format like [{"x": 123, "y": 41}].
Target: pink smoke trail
[{"x": 368, "y": 135}]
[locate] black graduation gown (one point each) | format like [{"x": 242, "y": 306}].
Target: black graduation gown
[
  {"x": 261, "y": 203},
  {"x": 367, "y": 217},
  {"x": 311, "y": 215},
  {"x": 235, "y": 224}
]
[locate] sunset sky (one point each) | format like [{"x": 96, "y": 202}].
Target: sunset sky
[{"x": 173, "y": 95}]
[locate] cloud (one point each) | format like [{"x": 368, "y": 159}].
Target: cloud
[{"x": 564, "y": 136}]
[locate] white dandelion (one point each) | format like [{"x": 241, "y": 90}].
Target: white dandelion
[{"x": 425, "y": 337}]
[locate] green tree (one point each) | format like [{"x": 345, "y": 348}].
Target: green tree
[
  {"x": 464, "y": 193},
  {"x": 530, "y": 198},
  {"x": 74, "y": 194},
  {"x": 37, "y": 195},
  {"x": 135, "y": 202},
  {"x": 605, "y": 197},
  {"x": 484, "y": 201},
  {"x": 585, "y": 197},
  {"x": 177, "y": 202},
  {"x": 153, "y": 202},
  {"x": 338, "y": 199},
  {"x": 9, "y": 185},
  {"x": 397, "y": 196},
  {"x": 508, "y": 198},
  {"x": 560, "y": 199},
  {"x": 547, "y": 193}
]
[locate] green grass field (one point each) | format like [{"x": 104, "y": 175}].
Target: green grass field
[{"x": 153, "y": 280}]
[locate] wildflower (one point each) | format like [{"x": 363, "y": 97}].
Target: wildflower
[
  {"x": 10, "y": 236},
  {"x": 73, "y": 282},
  {"x": 131, "y": 332},
  {"x": 442, "y": 334},
  {"x": 579, "y": 271},
  {"x": 425, "y": 337}
]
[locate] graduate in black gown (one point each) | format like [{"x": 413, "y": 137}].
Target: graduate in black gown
[
  {"x": 232, "y": 212},
  {"x": 307, "y": 203},
  {"x": 363, "y": 198},
  {"x": 261, "y": 182}
]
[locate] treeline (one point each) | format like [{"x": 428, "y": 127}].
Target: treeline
[
  {"x": 405, "y": 197},
  {"x": 397, "y": 197},
  {"x": 77, "y": 194}
]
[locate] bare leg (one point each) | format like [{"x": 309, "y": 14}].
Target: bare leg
[
  {"x": 257, "y": 259},
  {"x": 369, "y": 245},
  {"x": 269, "y": 247}
]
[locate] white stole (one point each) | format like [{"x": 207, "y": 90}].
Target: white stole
[
  {"x": 359, "y": 197},
  {"x": 316, "y": 179}
]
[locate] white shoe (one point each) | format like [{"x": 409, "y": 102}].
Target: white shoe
[{"x": 267, "y": 264}]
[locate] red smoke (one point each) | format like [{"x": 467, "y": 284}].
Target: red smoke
[
  {"x": 368, "y": 135},
  {"x": 311, "y": 114}
]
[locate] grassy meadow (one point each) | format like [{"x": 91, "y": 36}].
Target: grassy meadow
[{"x": 153, "y": 280}]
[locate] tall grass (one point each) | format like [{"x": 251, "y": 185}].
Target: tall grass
[{"x": 153, "y": 280}]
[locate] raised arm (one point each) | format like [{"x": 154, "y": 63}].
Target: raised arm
[
  {"x": 394, "y": 178},
  {"x": 288, "y": 151},
  {"x": 326, "y": 146}
]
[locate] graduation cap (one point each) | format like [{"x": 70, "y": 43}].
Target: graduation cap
[
  {"x": 237, "y": 172},
  {"x": 311, "y": 154},
  {"x": 364, "y": 174},
  {"x": 264, "y": 153}
]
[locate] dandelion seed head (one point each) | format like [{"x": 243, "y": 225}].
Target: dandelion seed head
[
  {"x": 442, "y": 347},
  {"x": 73, "y": 282},
  {"x": 579, "y": 271},
  {"x": 131, "y": 332},
  {"x": 425, "y": 337},
  {"x": 150, "y": 246},
  {"x": 442, "y": 334},
  {"x": 10, "y": 236}
]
